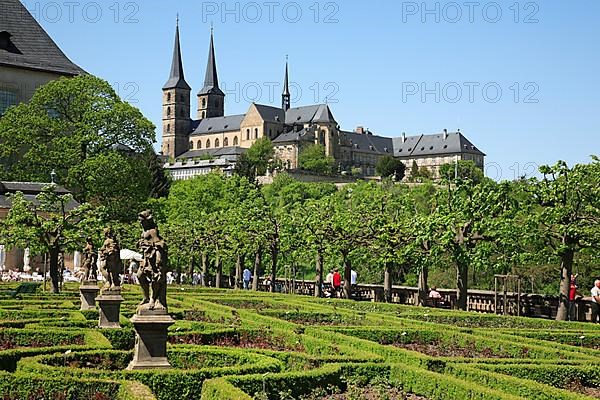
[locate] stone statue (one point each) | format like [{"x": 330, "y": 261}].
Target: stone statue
[
  {"x": 89, "y": 262},
  {"x": 110, "y": 260},
  {"x": 153, "y": 268}
]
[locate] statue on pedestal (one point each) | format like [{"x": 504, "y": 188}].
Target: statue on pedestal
[
  {"x": 153, "y": 268},
  {"x": 89, "y": 262},
  {"x": 110, "y": 261}
]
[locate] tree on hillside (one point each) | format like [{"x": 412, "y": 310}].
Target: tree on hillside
[
  {"x": 256, "y": 160},
  {"x": 313, "y": 158},
  {"x": 389, "y": 166},
  {"x": 49, "y": 225},
  {"x": 462, "y": 169},
  {"x": 569, "y": 217},
  {"x": 64, "y": 127}
]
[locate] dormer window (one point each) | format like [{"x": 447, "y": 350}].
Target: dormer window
[{"x": 7, "y": 44}]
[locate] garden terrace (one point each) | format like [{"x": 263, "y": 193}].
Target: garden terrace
[{"x": 251, "y": 345}]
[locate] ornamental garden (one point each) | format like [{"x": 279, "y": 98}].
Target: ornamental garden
[{"x": 233, "y": 344}]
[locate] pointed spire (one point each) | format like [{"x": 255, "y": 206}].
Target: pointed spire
[
  {"x": 176, "y": 78},
  {"x": 285, "y": 97},
  {"x": 211, "y": 80}
]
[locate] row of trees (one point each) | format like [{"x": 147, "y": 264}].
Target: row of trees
[{"x": 385, "y": 230}]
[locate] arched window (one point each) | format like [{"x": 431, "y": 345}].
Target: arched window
[
  {"x": 191, "y": 145},
  {"x": 168, "y": 110},
  {"x": 203, "y": 103},
  {"x": 203, "y": 114},
  {"x": 208, "y": 144},
  {"x": 216, "y": 142},
  {"x": 168, "y": 96},
  {"x": 255, "y": 133},
  {"x": 247, "y": 134},
  {"x": 225, "y": 142},
  {"x": 235, "y": 141},
  {"x": 182, "y": 98},
  {"x": 199, "y": 144},
  {"x": 168, "y": 127}
]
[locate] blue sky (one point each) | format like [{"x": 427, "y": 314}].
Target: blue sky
[{"x": 391, "y": 66}]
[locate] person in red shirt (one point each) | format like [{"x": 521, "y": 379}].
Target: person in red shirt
[
  {"x": 337, "y": 281},
  {"x": 572, "y": 296}
]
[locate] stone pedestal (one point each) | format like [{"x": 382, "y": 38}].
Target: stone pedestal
[
  {"x": 150, "y": 339},
  {"x": 87, "y": 293},
  {"x": 109, "y": 303}
]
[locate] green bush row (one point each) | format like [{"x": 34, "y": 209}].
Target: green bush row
[
  {"x": 560, "y": 376},
  {"x": 165, "y": 384},
  {"x": 438, "y": 386},
  {"x": 522, "y": 383},
  {"x": 10, "y": 338},
  {"x": 33, "y": 387}
]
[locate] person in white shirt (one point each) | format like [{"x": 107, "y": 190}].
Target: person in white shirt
[
  {"x": 247, "y": 276},
  {"x": 329, "y": 278},
  {"x": 434, "y": 294},
  {"x": 353, "y": 277},
  {"x": 596, "y": 301}
]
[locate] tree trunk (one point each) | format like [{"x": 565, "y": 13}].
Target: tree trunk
[
  {"x": 204, "y": 277},
  {"x": 387, "y": 283},
  {"x": 347, "y": 277},
  {"x": 423, "y": 286},
  {"x": 274, "y": 255},
  {"x": 566, "y": 269},
  {"x": 191, "y": 267},
  {"x": 54, "y": 272},
  {"x": 319, "y": 277},
  {"x": 239, "y": 266},
  {"x": 218, "y": 271},
  {"x": 462, "y": 278},
  {"x": 257, "y": 263}
]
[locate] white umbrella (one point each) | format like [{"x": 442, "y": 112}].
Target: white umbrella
[{"x": 127, "y": 254}]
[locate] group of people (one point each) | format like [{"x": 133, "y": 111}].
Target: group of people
[
  {"x": 574, "y": 295},
  {"x": 332, "y": 287}
]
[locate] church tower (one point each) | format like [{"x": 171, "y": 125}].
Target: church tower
[
  {"x": 176, "y": 107},
  {"x": 285, "y": 97},
  {"x": 211, "y": 99}
]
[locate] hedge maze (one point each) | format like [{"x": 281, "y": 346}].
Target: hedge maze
[{"x": 248, "y": 345}]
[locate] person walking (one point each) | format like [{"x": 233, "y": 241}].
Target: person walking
[
  {"x": 247, "y": 276},
  {"x": 337, "y": 282},
  {"x": 596, "y": 301}
]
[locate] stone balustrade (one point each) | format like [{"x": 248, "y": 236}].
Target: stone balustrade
[{"x": 483, "y": 301}]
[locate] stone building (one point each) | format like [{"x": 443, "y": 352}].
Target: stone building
[
  {"x": 214, "y": 140},
  {"x": 29, "y": 58}
]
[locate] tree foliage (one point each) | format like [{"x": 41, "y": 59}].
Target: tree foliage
[
  {"x": 313, "y": 158},
  {"x": 388, "y": 166},
  {"x": 70, "y": 126}
]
